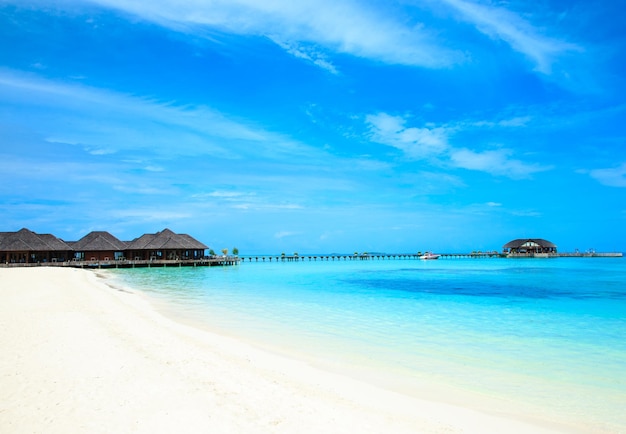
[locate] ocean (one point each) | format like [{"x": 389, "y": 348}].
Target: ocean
[{"x": 538, "y": 338}]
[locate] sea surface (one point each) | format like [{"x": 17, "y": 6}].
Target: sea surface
[{"x": 544, "y": 338}]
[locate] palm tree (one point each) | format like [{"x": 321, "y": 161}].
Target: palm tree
[{"x": 225, "y": 252}]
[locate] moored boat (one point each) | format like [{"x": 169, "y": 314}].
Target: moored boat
[{"x": 429, "y": 255}]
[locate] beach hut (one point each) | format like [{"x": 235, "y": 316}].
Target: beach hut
[
  {"x": 26, "y": 246},
  {"x": 531, "y": 247},
  {"x": 98, "y": 246},
  {"x": 165, "y": 245}
]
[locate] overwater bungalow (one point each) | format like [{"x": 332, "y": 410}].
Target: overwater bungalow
[
  {"x": 28, "y": 247},
  {"x": 530, "y": 247},
  {"x": 25, "y": 246},
  {"x": 165, "y": 245},
  {"x": 99, "y": 246}
]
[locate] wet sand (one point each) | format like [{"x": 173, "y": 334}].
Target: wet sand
[{"x": 81, "y": 356}]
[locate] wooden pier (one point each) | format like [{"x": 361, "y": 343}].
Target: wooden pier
[
  {"x": 591, "y": 255},
  {"x": 361, "y": 257},
  {"x": 219, "y": 261},
  {"x": 410, "y": 256},
  {"x": 224, "y": 261}
]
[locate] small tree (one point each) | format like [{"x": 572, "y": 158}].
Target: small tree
[
  {"x": 235, "y": 251},
  {"x": 211, "y": 252},
  {"x": 225, "y": 252}
]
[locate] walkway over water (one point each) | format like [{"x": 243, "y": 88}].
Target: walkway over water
[
  {"x": 206, "y": 262},
  {"x": 407, "y": 256},
  {"x": 223, "y": 261}
]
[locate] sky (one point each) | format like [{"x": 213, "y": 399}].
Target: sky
[{"x": 326, "y": 126}]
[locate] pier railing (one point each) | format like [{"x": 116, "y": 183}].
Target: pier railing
[
  {"x": 411, "y": 256},
  {"x": 235, "y": 260},
  {"x": 123, "y": 263},
  {"x": 360, "y": 257}
]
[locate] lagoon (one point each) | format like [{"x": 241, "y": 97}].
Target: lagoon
[{"x": 532, "y": 338}]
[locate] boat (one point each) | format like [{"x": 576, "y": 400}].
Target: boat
[{"x": 429, "y": 255}]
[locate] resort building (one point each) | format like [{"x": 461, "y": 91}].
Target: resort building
[
  {"x": 25, "y": 246},
  {"x": 98, "y": 246},
  {"x": 532, "y": 247},
  {"x": 165, "y": 245}
]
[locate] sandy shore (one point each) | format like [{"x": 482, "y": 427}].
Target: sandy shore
[{"x": 80, "y": 356}]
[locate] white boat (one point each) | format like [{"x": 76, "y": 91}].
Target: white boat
[{"x": 429, "y": 255}]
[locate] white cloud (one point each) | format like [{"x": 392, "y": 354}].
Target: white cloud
[
  {"x": 416, "y": 143},
  {"x": 507, "y": 26},
  {"x": 223, "y": 194},
  {"x": 496, "y": 162},
  {"x": 284, "y": 234},
  {"x": 105, "y": 122},
  {"x": 150, "y": 215},
  {"x": 144, "y": 190},
  {"x": 526, "y": 213},
  {"x": 102, "y": 152},
  {"x": 514, "y": 122},
  {"x": 432, "y": 143},
  {"x": 612, "y": 177},
  {"x": 346, "y": 26},
  {"x": 518, "y": 121},
  {"x": 309, "y": 54}
]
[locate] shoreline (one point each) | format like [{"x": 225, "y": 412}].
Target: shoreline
[{"x": 82, "y": 355}]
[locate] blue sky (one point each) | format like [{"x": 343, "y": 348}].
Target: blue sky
[{"x": 316, "y": 126}]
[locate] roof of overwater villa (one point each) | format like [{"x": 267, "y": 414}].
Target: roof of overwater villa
[
  {"x": 529, "y": 242},
  {"x": 166, "y": 240}
]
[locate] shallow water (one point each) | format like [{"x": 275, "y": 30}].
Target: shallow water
[{"x": 546, "y": 335}]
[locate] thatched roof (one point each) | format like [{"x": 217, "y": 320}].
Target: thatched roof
[
  {"x": 26, "y": 240},
  {"x": 98, "y": 241},
  {"x": 165, "y": 240},
  {"x": 515, "y": 244}
]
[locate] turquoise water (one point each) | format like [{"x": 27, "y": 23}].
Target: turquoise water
[{"x": 546, "y": 337}]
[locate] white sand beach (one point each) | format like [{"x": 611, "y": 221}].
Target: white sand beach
[{"x": 80, "y": 356}]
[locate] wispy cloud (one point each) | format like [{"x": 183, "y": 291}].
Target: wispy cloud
[
  {"x": 416, "y": 143},
  {"x": 513, "y": 122},
  {"x": 349, "y": 27},
  {"x": 433, "y": 142},
  {"x": 134, "y": 122},
  {"x": 309, "y": 54},
  {"x": 284, "y": 234},
  {"x": 496, "y": 161},
  {"x": 612, "y": 177},
  {"x": 520, "y": 34},
  {"x": 150, "y": 214},
  {"x": 226, "y": 195},
  {"x": 246, "y": 201}
]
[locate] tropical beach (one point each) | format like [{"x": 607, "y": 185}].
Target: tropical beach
[
  {"x": 83, "y": 354},
  {"x": 312, "y": 216}
]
